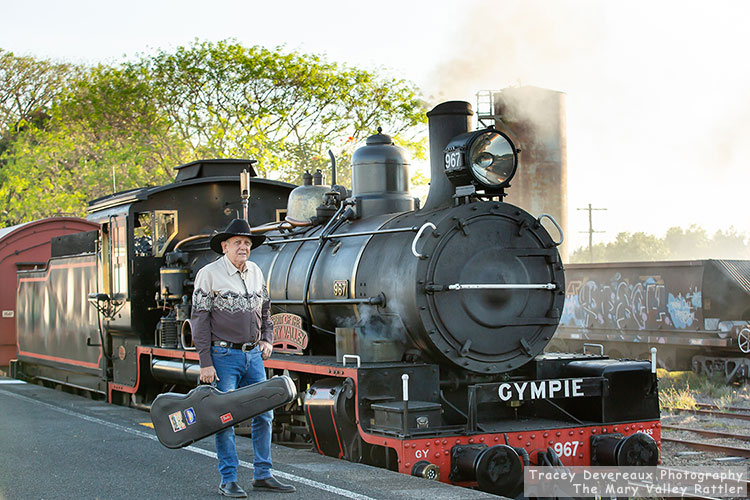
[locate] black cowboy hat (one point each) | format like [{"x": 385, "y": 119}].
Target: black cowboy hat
[{"x": 238, "y": 227}]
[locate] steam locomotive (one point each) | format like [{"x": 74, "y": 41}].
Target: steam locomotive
[{"x": 414, "y": 334}]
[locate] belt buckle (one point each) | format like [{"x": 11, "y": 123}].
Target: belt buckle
[
  {"x": 248, "y": 346},
  {"x": 223, "y": 343}
]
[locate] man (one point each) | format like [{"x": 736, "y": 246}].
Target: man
[{"x": 233, "y": 334}]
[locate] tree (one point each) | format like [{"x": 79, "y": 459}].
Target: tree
[
  {"x": 729, "y": 244},
  {"x": 103, "y": 134},
  {"x": 115, "y": 128},
  {"x": 686, "y": 243},
  {"x": 677, "y": 244},
  {"x": 27, "y": 88},
  {"x": 284, "y": 109}
]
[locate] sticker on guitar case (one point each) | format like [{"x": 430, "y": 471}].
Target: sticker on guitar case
[
  {"x": 226, "y": 418},
  {"x": 176, "y": 420},
  {"x": 190, "y": 416}
]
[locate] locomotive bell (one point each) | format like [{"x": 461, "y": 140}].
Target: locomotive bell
[{"x": 380, "y": 177}]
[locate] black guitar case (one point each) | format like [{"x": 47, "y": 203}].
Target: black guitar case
[{"x": 182, "y": 419}]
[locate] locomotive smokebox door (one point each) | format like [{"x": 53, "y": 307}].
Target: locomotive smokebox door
[{"x": 494, "y": 308}]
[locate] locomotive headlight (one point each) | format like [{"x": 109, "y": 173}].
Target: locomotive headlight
[{"x": 486, "y": 158}]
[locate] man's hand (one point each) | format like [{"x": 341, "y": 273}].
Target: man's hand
[
  {"x": 265, "y": 349},
  {"x": 208, "y": 374}
]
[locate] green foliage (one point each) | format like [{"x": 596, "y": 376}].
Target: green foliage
[
  {"x": 27, "y": 87},
  {"x": 103, "y": 134},
  {"x": 71, "y": 134},
  {"x": 285, "y": 110},
  {"x": 677, "y": 244}
]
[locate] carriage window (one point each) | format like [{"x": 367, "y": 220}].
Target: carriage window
[
  {"x": 143, "y": 234},
  {"x": 165, "y": 230}
]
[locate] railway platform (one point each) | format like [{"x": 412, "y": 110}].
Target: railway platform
[{"x": 59, "y": 445}]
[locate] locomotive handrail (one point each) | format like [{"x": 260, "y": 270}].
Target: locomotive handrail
[
  {"x": 491, "y": 286},
  {"x": 600, "y": 346},
  {"x": 342, "y": 235},
  {"x": 189, "y": 239},
  {"x": 352, "y": 356},
  {"x": 416, "y": 238},
  {"x": 559, "y": 229},
  {"x": 376, "y": 300}
]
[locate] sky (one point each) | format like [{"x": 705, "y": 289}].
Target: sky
[{"x": 657, "y": 92}]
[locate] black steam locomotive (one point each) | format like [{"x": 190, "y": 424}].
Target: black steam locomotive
[{"x": 414, "y": 335}]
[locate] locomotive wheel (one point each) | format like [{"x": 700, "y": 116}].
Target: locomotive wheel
[{"x": 743, "y": 340}]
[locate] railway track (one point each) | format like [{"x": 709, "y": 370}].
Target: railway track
[
  {"x": 714, "y": 411},
  {"x": 727, "y": 439},
  {"x": 706, "y": 406},
  {"x": 713, "y": 448},
  {"x": 708, "y": 433}
]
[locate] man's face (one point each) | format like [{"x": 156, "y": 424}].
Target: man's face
[{"x": 237, "y": 248}]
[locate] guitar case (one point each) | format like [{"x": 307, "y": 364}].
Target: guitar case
[{"x": 182, "y": 419}]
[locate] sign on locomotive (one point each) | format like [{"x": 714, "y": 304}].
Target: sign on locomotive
[{"x": 414, "y": 336}]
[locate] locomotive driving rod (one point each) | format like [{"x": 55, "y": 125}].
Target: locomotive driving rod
[{"x": 479, "y": 286}]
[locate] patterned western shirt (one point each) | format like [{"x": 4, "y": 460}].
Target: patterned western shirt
[{"x": 229, "y": 305}]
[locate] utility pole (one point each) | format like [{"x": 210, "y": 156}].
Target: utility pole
[{"x": 591, "y": 230}]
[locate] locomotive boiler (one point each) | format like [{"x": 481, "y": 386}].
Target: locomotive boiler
[
  {"x": 405, "y": 280},
  {"x": 414, "y": 334}
]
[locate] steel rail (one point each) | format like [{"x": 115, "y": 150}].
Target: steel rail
[
  {"x": 728, "y": 408},
  {"x": 707, "y": 433},
  {"x": 710, "y": 413},
  {"x": 714, "y": 448}
]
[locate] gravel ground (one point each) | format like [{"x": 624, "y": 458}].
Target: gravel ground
[{"x": 674, "y": 454}]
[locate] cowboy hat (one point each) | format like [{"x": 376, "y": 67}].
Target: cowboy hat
[{"x": 238, "y": 227}]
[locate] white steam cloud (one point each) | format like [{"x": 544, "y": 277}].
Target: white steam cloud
[{"x": 657, "y": 101}]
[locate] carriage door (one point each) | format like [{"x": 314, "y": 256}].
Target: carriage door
[
  {"x": 113, "y": 263},
  {"x": 118, "y": 262}
]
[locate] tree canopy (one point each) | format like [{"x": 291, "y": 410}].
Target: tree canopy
[
  {"x": 677, "y": 244},
  {"x": 71, "y": 134}
]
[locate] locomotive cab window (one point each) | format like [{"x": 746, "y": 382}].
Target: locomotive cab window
[
  {"x": 143, "y": 234},
  {"x": 165, "y": 230}
]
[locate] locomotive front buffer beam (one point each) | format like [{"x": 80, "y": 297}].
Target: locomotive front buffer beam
[{"x": 396, "y": 415}]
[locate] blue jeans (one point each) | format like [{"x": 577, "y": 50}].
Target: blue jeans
[{"x": 237, "y": 369}]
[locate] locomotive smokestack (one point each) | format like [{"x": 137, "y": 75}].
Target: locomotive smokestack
[{"x": 445, "y": 121}]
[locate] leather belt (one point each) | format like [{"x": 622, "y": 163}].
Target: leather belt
[{"x": 247, "y": 346}]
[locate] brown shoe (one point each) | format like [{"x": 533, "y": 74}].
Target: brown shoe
[{"x": 272, "y": 484}]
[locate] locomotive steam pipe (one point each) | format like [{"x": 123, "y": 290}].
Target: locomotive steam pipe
[
  {"x": 175, "y": 372},
  {"x": 189, "y": 239},
  {"x": 344, "y": 213}
]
